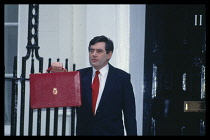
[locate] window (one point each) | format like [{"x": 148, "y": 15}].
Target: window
[{"x": 10, "y": 50}]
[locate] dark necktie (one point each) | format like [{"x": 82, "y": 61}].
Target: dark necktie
[{"x": 95, "y": 90}]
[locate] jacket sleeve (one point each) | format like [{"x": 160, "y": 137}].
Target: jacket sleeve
[{"x": 129, "y": 107}]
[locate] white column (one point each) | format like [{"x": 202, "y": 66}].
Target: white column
[
  {"x": 65, "y": 34},
  {"x": 122, "y": 33},
  {"x": 137, "y": 37},
  {"x": 80, "y": 50}
]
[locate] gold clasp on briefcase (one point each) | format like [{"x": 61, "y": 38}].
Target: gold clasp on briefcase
[{"x": 55, "y": 91}]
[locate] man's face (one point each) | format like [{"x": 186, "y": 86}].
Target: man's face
[{"x": 97, "y": 56}]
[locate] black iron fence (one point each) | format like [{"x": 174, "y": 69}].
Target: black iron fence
[{"x": 22, "y": 80}]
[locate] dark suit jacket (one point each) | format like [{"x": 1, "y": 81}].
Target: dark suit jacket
[{"x": 117, "y": 96}]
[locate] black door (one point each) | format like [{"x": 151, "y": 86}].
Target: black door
[{"x": 175, "y": 63}]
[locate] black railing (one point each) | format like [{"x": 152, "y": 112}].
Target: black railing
[{"x": 32, "y": 49}]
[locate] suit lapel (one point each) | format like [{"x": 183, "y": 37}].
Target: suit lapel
[{"x": 110, "y": 82}]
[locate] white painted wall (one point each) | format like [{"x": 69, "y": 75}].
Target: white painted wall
[
  {"x": 100, "y": 21},
  {"x": 65, "y": 32}
]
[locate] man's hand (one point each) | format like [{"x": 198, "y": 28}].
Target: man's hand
[{"x": 57, "y": 67}]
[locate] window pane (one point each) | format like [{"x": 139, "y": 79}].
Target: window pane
[
  {"x": 10, "y": 50},
  {"x": 11, "y": 13},
  {"x": 7, "y": 101},
  {"x": 10, "y": 47}
]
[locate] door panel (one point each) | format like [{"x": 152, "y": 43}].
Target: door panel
[{"x": 174, "y": 69}]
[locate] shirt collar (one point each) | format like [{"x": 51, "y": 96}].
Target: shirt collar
[{"x": 103, "y": 70}]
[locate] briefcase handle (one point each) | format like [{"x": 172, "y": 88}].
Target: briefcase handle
[{"x": 56, "y": 67}]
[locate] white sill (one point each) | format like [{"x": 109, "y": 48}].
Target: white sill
[{"x": 6, "y": 130}]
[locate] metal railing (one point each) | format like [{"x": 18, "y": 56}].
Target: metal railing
[{"x": 32, "y": 50}]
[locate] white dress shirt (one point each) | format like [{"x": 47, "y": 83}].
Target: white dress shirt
[{"x": 102, "y": 79}]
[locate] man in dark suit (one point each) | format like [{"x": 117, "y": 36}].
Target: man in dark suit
[
  {"x": 114, "y": 107},
  {"x": 115, "y": 103}
]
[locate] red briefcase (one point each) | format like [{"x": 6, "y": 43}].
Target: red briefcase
[{"x": 61, "y": 89}]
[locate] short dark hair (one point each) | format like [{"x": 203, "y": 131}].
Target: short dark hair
[{"x": 109, "y": 43}]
